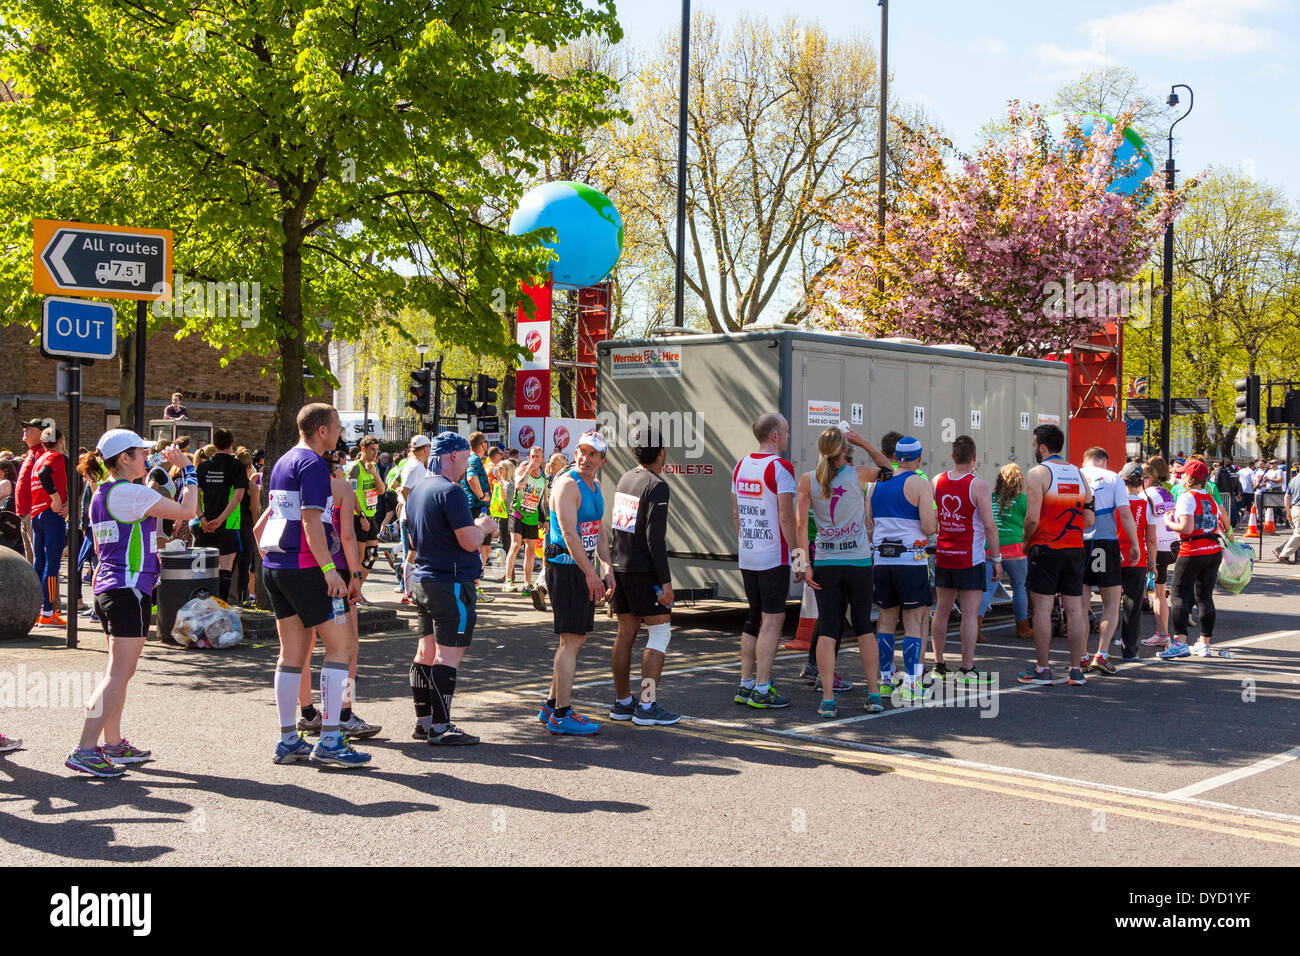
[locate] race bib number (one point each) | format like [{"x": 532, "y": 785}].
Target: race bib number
[
  {"x": 625, "y": 506},
  {"x": 530, "y": 499},
  {"x": 105, "y": 532},
  {"x": 372, "y": 499},
  {"x": 590, "y": 532}
]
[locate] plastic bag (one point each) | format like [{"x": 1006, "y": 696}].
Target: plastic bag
[
  {"x": 207, "y": 622},
  {"x": 1236, "y": 567}
]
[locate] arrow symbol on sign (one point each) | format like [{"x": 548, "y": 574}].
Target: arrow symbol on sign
[{"x": 55, "y": 259}]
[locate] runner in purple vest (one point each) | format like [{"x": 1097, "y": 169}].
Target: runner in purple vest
[{"x": 123, "y": 520}]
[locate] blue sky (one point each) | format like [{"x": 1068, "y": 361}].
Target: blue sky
[{"x": 964, "y": 60}]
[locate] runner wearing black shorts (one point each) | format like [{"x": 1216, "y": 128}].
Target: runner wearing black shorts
[
  {"x": 445, "y": 540},
  {"x": 306, "y": 590},
  {"x": 643, "y": 590},
  {"x": 223, "y": 483}
]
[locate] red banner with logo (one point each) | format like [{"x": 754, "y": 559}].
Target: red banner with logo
[
  {"x": 533, "y": 393},
  {"x": 533, "y": 380}
]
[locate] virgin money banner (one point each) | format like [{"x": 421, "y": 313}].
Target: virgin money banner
[
  {"x": 562, "y": 434},
  {"x": 535, "y": 337},
  {"x": 532, "y": 392},
  {"x": 526, "y": 432}
]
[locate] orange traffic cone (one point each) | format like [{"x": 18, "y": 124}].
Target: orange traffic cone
[
  {"x": 1269, "y": 527},
  {"x": 1252, "y": 527},
  {"x": 807, "y": 621}
]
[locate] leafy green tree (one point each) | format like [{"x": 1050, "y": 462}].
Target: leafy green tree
[{"x": 306, "y": 145}]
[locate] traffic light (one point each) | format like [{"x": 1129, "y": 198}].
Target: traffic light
[
  {"x": 1247, "y": 399},
  {"x": 486, "y": 395},
  {"x": 465, "y": 400},
  {"x": 420, "y": 391}
]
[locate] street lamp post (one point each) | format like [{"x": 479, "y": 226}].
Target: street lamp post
[
  {"x": 883, "y": 122},
  {"x": 1167, "y": 312},
  {"x": 421, "y": 350},
  {"x": 679, "y": 267}
]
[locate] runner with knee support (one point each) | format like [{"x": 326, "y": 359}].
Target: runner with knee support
[
  {"x": 643, "y": 589},
  {"x": 446, "y": 541},
  {"x": 903, "y": 515}
]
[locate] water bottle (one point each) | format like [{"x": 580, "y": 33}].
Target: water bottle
[
  {"x": 340, "y": 608},
  {"x": 659, "y": 592}
]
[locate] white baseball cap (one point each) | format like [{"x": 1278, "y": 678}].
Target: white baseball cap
[
  {"x": 117, "y": 440},
  {"x": 594, "y": 440},
  {"x": 420, "y": 441}
]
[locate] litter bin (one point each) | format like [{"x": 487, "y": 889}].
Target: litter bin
[{"x": 183, "y": 576}]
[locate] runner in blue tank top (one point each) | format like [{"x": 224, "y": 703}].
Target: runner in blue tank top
[
  {"x": 123, "y": 520},
  {"x": 575, "y": 535}
]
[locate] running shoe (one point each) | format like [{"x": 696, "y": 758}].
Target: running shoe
[
  {"x": 484, "y": 596},
  {"x": 397, "y": 590},
  {"x": 453, "y": 736},
  {"x": 544, "y": 715},
  {"x": 1076, "y": 678},
  {"x": 938, "y": 670},
  {"x": 1130, "y": 660},
  {"x": 1174, "y": 650},
  {"x": 827, "y": 709},
  {"x": 94, "y": 763},
  {"x": 1036, "y": 675},
  {"x": 874, "y": 704},
  {"x": 1156, "y": 640},
  {"x": 526, "y": 591},
  {"x": 419, "y": 733},
  {"x": 356, "y": 728},
  {"x": 53, "y": 619},
  {"x": 573, "y": 724},
  {"x": 842, "y": 686},
  {"x": 656, "y": 716},
  {"x": 912, "y": 693},
  {"x": 310, "y": 726},
  {"x": 539, "y": 598},
  {"x": 509, "y": 587},
  {"x": 340, "y": 755},
  {"x": 407, "y": 599},
  {"x": 626, "y": 711},
  {"x": 970, "y": 676},
  {"x": 1102, "y": 665},
  {"x": 123, "y": 753},
  {"x": 808, "y": 673},
  {"x": 86, "y": 612},
  {"x": 299, "y": 749},
  {"x": 9, "y": 743},
  {"x": 768, "y": 698},
  {"x": 888, "y": 682},
  {"x": 1084, "y": 662},
  {"x": 743, "y": 694}
]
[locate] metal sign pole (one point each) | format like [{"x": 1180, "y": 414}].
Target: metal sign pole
[{"x": 74, "y": 498}]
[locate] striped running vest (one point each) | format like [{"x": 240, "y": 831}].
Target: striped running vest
[{"x": 897, "y": 538}]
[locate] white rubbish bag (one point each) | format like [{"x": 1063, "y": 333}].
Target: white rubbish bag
[{"x": 207, "y": 622}]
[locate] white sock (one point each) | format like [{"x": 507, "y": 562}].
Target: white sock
[
  {"x": 286, "y": 702},
  {"x": 333, "y": 677}
]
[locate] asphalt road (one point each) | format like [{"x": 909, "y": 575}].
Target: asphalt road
[{"x": 1169, "y": 763}]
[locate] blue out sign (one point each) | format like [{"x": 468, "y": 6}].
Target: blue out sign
[{"x": 76, "y": 328}]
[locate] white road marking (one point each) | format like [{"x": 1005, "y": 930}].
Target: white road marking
[{"x": 1223, "y": 779}]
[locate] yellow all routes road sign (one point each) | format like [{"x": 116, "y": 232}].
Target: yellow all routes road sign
[{"x": 89, "y": 259}]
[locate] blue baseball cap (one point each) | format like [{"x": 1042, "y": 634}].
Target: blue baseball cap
[
  {"x": 907, "y": 449},
  {"x": 447, "y": 442}
]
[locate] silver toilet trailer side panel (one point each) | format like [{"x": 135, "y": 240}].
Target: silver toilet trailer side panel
[
  {"x": 703, "y": 396},
  {"x": 706, "y": 390}
]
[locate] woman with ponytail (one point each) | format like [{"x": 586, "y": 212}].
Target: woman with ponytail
[
  {"x": 123, "y": 519},
  {"x": 841, "y": 572}
]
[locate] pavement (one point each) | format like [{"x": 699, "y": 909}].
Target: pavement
[{"x": 1169, "y": 763}]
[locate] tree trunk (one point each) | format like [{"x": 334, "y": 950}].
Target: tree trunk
[{"x": 283, "y": 433}]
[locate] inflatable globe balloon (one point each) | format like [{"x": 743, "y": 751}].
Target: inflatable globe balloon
[
  {"x": 1131, "y": 147},
  {"x": 588, "y": 227}
]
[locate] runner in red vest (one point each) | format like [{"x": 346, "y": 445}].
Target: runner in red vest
[
  {"x": 1133, "y": 575},
  {"x": 966, "y": 531}
]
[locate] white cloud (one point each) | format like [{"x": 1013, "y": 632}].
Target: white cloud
[
  {"x": 1189, "y": 29},
  {"x": 1077, "y": 59}
]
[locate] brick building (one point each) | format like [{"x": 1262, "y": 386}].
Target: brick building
[{"x": 239, "y": 397}]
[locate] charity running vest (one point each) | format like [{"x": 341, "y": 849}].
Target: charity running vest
[
  {"x": 127, "y": 555},
  {"x": 841, "y": 519},
  {"x": 961, "y": 532},
  {"x": 1060, "y": 520},
  {"x": 528, "y": 499},
  {"x": 757, "y": 482}
]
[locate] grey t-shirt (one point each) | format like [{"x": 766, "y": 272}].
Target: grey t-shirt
[{"x": 1293, "y": 490}]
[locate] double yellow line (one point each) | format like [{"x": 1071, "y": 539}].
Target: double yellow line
[{"x": 1152, "y": 809}]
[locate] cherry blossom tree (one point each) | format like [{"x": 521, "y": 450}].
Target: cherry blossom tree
[{"x": 990, "y": 250}]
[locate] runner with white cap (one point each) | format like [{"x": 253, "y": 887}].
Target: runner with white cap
[
  {"x": 576, "y": 534},
  {"x": 123, "y": 520}
]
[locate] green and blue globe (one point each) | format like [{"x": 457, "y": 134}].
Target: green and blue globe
[{"x": 588, "y": 227}]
